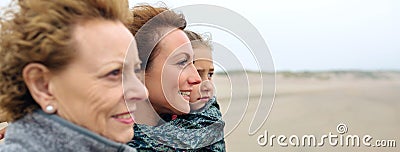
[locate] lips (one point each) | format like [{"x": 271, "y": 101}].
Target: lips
[
  {"x": 124, "y": 118},
  {"x": 204, "y": 99},
  {"x": 185, "y": 94}
]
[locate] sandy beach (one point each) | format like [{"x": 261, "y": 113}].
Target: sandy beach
[
  {"x": 315, "y": 104},
  {"x": 311, "y": 104}
]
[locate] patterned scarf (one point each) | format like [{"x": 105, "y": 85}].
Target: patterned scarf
[{"x": 197, "y": 131}]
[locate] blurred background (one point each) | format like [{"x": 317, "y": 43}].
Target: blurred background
[{"x": 336, "y": 61}]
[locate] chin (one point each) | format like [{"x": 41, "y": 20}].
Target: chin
[
  {"x": 179, "y": 108},
  {"x": 123, "y": 138},
  {"x": 182, "y": 111},
  {"x": 198, "y": 105}
]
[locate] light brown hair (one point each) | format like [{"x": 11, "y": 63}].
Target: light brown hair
[
  {"x": 150, "y": 24},
  {"x": 198, "y": 40},
  {"x": 40, "y": 31}
]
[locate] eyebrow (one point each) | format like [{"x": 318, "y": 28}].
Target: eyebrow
[
  {"x": 120, "y": 63},
  {"x": 101, "y": 68},
  {"x": 138, "y": 64},
  {"x": 113, "y": 61},
  {"x": 127, "y": 58},
  {"x": 184, "y": 53},
  {"x": 211, "y": 69}
]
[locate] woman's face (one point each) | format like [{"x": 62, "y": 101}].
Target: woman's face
[
  {"x": 89, "y": 91},
  {"x": 205, "y": 90},
  {"x": 172, "y": 75}
]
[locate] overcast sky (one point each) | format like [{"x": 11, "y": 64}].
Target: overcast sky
[{"x": 319, "y": 34}]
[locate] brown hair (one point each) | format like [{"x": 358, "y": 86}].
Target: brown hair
[
  {"x": 198, "y": 40},
  {"x": 150, "y": 24},
  {"x": 43, "y": 35}
]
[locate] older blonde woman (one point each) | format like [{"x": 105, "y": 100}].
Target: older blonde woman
[{"x": 61, "y": 76}]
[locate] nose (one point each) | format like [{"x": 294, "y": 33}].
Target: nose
[
  {"x": 134, "y": 89},
  {"x": 194, "y": 77},
  {"x": 204, "y": 77},
  {"x": 207, "y": 86}
]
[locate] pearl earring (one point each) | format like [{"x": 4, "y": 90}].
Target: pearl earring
[{"x": 50, "y": 109}]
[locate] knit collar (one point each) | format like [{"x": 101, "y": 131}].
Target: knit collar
[{"x": 40, "y": 131}]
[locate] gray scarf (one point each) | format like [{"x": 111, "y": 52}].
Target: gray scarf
[{"x": 43, "y": 132}]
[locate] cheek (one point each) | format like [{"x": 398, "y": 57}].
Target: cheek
[
  {"x": 171, "y": 78},
  {"x": 195, "y": 93},
  {"x": 102, "y": 104},
  {"x": 154, "y": 86},
  {"x": 170, "y": 84},
  {"x": 71, "y": 94},
  {"x": 152, "y": 81},
  {"x": 183, "y": 77},
  {"x": 101, "y": 100}
]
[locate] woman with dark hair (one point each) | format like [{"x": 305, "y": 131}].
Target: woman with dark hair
[
  {"x": 165, "y": 122},
  {"x": 61, "y": 76}
]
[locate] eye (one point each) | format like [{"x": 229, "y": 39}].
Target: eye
[
  {"x": 210, "y": 75},
  {"x": 183, "y": 62},
  {"x": 114, "y": 73},
  {"x": 139, "y": 73},
  {"x": 137, "y": 70}
]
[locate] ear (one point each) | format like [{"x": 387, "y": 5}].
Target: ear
[{"x": 37, "y": 77}]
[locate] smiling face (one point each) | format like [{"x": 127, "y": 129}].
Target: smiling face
[
  {"x": 89, "y": 92},
  {"x": 172, "y": 75},
  {"x": 205, "y": 91}
]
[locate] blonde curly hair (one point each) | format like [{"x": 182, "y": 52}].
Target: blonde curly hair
[{"x": 40, "y": 31}]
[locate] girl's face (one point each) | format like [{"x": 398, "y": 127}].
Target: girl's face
[
  {"x": 205, "y": 91},
  {"x": 172, "y": 75}
]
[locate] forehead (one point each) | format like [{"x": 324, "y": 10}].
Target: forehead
[
  {"x": 101, "y": 40},
  {"x": 204, "y": 64},
  {"x": 202, "y": 52},
  {"x": 132, "y": 56},
  {"x": 174, "y": 40}
]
